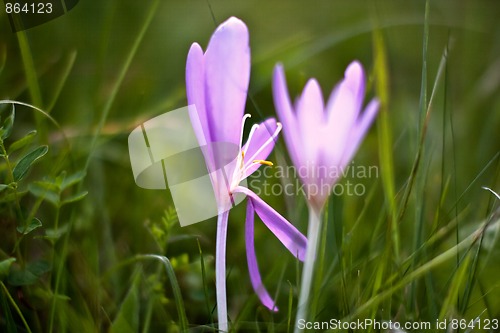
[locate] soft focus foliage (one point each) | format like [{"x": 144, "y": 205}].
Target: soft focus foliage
[{"x": 73, "y": 224}]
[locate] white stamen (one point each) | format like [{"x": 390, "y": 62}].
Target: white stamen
[
  {"x": 267, "y": 143},
  {"x": 241, "y": 154},
  {"x": 243, "y": 127},
  {"x": 250, "y": 135}
]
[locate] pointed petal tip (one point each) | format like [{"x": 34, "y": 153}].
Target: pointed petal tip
[
  {"x": 312, "y": 87},
  {"x": 195, "y": 47},
  {"x": 194, "y": 57},
  {"x": 235, "y": 25},
  {"x": 355, "y": 67},
  {"x": 355, "y": 73},
  {"x": 372, "y": 109},
  {"x": 278, "y": 76},
  {"x": 234, "y": 20}
]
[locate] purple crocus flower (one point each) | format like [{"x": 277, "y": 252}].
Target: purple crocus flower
[
  {"x": 321, "y": 141},
  {"x": 322, "y": 138},
  {"x": 217, "y": 84}
]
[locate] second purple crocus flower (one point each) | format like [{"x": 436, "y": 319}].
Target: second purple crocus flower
[
  {"x": 322, "y": 139},
  {"x": 217, "y": 83}
]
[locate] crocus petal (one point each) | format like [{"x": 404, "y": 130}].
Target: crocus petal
[
  {"x": 195, "y": 91},
  {"x": 286, "y": 115},
  {"x": 310, "y": 106},
  {"x": 293, "y": 240},
  {"x": 359, "y": 131},
  {"x": 252, "y": 149},
  {"x": 311, "y": 118},
  {"x": 253, "y": 267},
  {"x": 227, "y": 74}
]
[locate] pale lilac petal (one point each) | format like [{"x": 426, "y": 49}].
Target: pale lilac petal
[
  {"x": 354, "y": 84},
  {"x": 286, "y": 115},
  {"x": 293, "y": 240},
  {"x": 356, "y": 81},
  {"x": 195, "y": 91},
  {"x": 252, "y": 149},
  {"x": 310, "y": 106},
  {"x": 311, "y": 119},
  {"x": 343, "y": 109},
  {"x": 253, "y": 267},
  {"x": 359, "y": 130},
  {"x": 227, "y": 74}
]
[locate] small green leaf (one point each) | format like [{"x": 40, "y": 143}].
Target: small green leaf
[
  {"x": 3, "y": 187},
  {"x": 22, "y": 142},
  {"x": 54, "y": 234},
  {"x": 46, "y": 190},
  {"x": 39, "y": 267},
  {"x": 29, "y": 275},
  {"x": 73, "y": 179},
  {"x": 5, "y": 266},
  {"x": 35, "y": 224},
  {"x": 8, "y": 123},
  {"x": 74, "y": 198},
  {"x": 24, "y": 164}
]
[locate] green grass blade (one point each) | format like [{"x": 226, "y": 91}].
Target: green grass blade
[
  {"x": 29, "y": 68},
  {"x": 64, "y": 76},
  {"x": 121, "y": 76},
  {"x": 183, "y": 322},
  {"x": 451, "y": 253},
  {"x": 14, "y": 305},
  {"x": 204, "y": 279},
  {"x": 459, "y": 280},
  {"x": 127, "y": 319},
  {"x": 385, "y": 135},
  {"x": 7, "y": 314}
]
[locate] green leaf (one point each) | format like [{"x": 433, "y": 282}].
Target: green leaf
[
  {"x": 22, "y": 142},
  {"x": 5, "y": 266},
  {"x": 46, "y": 190},
  {"x": 22, "y": 278},
  {"x": 29, "y": 275},
  {"x": 3, "y": 187},
  {"x": 127, "y": 319},
  {"x": 76, "y": 197},
  {"x": 54, "y": 234},
  {"x": 35, "y": 224},
  {"x": 8, "y": 123},
  {"x": 25, "y": 163},
  {"x": 73, "y": 179}
]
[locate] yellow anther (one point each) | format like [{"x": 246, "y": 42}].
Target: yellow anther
[
  {"x": 243, "y": 154},
  {"x": 263, "y": 162}
]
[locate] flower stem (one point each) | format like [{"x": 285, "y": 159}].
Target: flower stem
[
  {"x": 220, "y": 270},
  {"x": 313, "y": 229}
]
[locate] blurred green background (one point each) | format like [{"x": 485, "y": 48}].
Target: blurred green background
[{"x": 76, "y": 62}]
